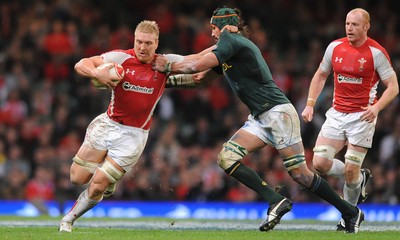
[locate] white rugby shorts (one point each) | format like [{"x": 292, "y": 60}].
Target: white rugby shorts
[
  {"x": 348, "y": 126},
  {"x": 279, "y": 127},
  {"x": 124, "y": 144}
]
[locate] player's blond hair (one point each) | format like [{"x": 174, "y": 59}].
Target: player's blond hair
[
  {"x": 148, "y": 26},
  {"x": 363, "y": 12}
]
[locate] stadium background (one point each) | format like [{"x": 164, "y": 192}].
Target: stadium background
[{"x": 45, "y": 107}]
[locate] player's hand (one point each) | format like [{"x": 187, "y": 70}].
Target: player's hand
[
  {"x": 308, "y": 114},
  {"x": 103, "y": 76},
  {"x": 198, "y": 76},
  {"x": 371, "y": 112},
  {"x": 230, "y": 28},
  {"x": 160, "y": 63}
]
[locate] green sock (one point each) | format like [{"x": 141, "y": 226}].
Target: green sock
[
  {"x": 322, "y": 189},
  {"x": 251, "y": 179}
]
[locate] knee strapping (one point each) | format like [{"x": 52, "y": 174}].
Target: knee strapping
[
  {"x": 354, "y": 157},
  {"x": 294, "y": 161},
  {"x": 90, "y": 166},
  {"x": 325, "y": 151},
  {"x": 113, "y": 174},
  {"x": 231, "y": 153}
]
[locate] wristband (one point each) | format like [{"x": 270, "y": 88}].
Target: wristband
[
  {"x": 311, "y": 102},
  {"x": 174, "y": 57},
  {"x": 167, "y": 67}
]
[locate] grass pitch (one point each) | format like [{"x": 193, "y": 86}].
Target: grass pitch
[{"x": 44, "y": 228}]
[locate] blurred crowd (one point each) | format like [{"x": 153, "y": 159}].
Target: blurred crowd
[{"x": 45, "y": 107}]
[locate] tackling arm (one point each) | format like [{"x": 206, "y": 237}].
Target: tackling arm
[
  {"x": 196, "y": 80},
  {"x": 197, "y": 56},
  {"x": 190, "y": 64},
  {"x": 196, "y": 68},
  {"x": 209, "y": 60}
]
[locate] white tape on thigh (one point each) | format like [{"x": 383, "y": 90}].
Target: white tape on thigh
[
  {"x": 354, "y": 157},
  {"x": 90, "y": 166},
  {"x": 112, "y": 173},
  {"x": 325, "y": 151}
]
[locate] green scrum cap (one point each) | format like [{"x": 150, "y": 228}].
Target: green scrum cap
[{"x": 224, "y": 16}]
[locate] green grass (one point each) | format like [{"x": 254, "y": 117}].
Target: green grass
[
  {"x": 99, "y": 233},
  {"x": 102, "y": 233},
  {"x": 47, "y": 229}
]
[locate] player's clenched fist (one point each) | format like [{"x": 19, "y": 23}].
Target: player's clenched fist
[{"x": 308, "y": 114}]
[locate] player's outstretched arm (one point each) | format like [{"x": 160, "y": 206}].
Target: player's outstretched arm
[
  {"x": 195, "y": 80},
  {"x": 190, "y": 64}
]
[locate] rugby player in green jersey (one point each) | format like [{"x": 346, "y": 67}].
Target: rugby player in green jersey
[{"x": 273, "y": 120}]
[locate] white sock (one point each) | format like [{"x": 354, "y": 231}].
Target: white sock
[
  {"x": 337, "y": 169},
  {"x": 81, "y": 206},
  {"x": 352, "y": 193}
]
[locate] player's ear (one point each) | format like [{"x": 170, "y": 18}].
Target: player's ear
[{"x": 156, "y": 43}]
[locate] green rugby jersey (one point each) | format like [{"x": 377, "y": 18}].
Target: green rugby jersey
[{"x": 247, "y": 72}]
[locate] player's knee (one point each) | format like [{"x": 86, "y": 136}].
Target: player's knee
[
  {"x": 106, "y": 187},
  {"x": 76, "y": 178},
  {"x": 112, "y": 172},
  {"x": 353, "y": 157},
  {"x": 301, "y": 174},
  {"x": 293, "y": 162},
  {"x": 79, "y": 180},
  {"x": 96, "y": 190},
  {"x": 82, "y": 171},
  {"x": 88, "y": 166},
  {"x": 230, "y": 154},
  {"x": 295, "y": 174},
  {"x": 321, "y": 166},
  {"x": 323, "y": 154},
  {"x": 295, "y": 166},
  {"x": 324, "y": 151},
  {"x": 100, "y": 184},
  {"x": 222, "y": 161}
]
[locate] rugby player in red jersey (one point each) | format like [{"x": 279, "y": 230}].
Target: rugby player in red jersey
[
  {"x": 359, "y": 64},
  {"x": 115, "y": 139}
]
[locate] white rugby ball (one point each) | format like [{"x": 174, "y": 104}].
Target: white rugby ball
[{"x": 117, "y": 72}]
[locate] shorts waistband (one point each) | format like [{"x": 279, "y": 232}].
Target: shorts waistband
[{"x": 125, "y": 126}]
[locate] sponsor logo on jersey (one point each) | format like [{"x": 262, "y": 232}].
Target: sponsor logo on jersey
[
  {"x": 339, "y": 60},
  {"x": 129, "y": 71},
  {"x": 344, "y": 79},
  {"x": 347, "y": 68},
  {"x": 134, "y": 88},
  {"x": 225, "y": 67}
]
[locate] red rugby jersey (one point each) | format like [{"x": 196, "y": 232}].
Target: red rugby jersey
[
  {"x": 357, "y": 71},
  {"x": 134, "y": 99}
]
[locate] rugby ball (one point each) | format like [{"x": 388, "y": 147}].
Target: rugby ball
[{"x": 117, "y": 72}]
